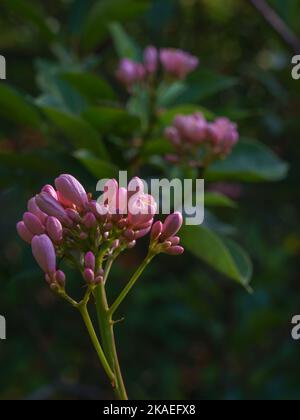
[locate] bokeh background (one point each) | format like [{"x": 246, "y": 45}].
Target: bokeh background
[{"x": 189, "y": 333}]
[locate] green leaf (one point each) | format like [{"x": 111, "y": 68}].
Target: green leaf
[
  {"x": 214, "y": 199},
  {"x": 16, "y": 108},
  {"x": 78, "y": 131},
  {"x": 90, "y": 86},
  {"x": 124, "y": 44},
  {"x": 104, "y": 12},
  {"x": 109, "y": 120},
  {"x": 250, "y": 161},
  {"x": 223, "y": 255},
  {"x": 31, "y": 13},
  {"x": 203, "y": 84},
  {"x": 30, "y": 162},
  {"x": 158, "y": 147},
  {"x": 97, "y": 167},
  {"x": 168, "y": 93}
]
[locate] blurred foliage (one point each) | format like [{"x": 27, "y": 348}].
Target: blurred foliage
[{"x": 61, "y": 110}]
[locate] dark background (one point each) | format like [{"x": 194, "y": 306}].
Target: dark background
[{"x": 189, "y": 333}]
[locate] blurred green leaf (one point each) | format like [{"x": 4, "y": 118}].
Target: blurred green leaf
[
  {"x": 31, "y": 12},
  {"x": 167, "y": 94},
  {"x": 78, "y": 131},
  {"x": 223, "y": 255},
  {"x": 90, "y": 86},
  {"x": 250, "y": 161},
  {"x": 30, "y": 162},
  {"x": 214, "y": 199},
  {"x": 109, "y": 120},
  {"x": 97, "y": 167},
  {"x": 203, "y": 84},
  {"x": 104, "y": 12},
  {"x": 17, "y": 108},
  {"x": 124, "y": 44},
  {"x": 158, "y": 147}
]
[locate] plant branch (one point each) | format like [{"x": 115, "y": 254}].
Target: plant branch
[
  {"x": 277, "y": 24},
  {"x": 130, "y": 284}
]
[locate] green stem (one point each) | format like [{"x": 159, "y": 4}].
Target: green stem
[
  {"x": 130, "y": 284},
  {"x": 88, "y": 323},
  {"x": 107, "y": 333}
]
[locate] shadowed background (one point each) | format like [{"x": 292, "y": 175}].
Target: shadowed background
[{"x": 189, "y": 333}]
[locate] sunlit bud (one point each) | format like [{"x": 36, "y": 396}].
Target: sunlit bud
[
  {"x": 171, "y": 225},
  {"x": 33, "y": 224},
  {"x": 141, "y": 233},
  {"x": 156, "y": 230},
  {"x": 54, "y": 229},
  {"x": 52, "y": 207},
  {"x": 24, "y": 233},
  {"x": 44, "y": 253},
  {"x": 72, "y": 190},
  {"x": 34, "y": 209},
  {"x": 50, "y": 190},
  {"x": 175, "y": 250}
]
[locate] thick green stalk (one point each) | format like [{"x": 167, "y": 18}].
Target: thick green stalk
[
  {"x": 107, "y": 333},
  {"x": 88, "y": 323}
]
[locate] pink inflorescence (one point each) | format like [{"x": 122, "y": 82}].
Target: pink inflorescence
[
  {"x": 175, "y": 63},
  {"x": 65, "y": 222},
  {"x": 190, "y": 134}
]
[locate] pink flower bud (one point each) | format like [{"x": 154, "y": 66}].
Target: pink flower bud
[
  {"x": 141, "y": 209},
  {"x": 130, "y": 72},
  {"x": 175, "y": 250},
  {"x": 60, "y": 278},
  {"x": 44, "y": 253},
  {"x": 151, "y": 59},
  {"x": 50, "y": 190},
  {"x": 83, "y": 236},
  {"x": 90, "y": 260},
  {"x": 171, "y": 226},
  {"x": 33, "y": 223},
  {"x": 24, "y": 233},
  {"x": 89, "y": 275},
  {"x": 143, "y": 232},
  {"x": 89, "y": 220},
  {"x": 175, "y": 240},
  {"x": 73, "y": 215},
  {"x": 129, "y": 235},
  {"x": 54, "y": 229},
  {"x": 71, "y": 189},
  {"x": 178, "y": 63},
  {"x": 52, "y": 207},
  {"x": 156, "y": 231},
  {"x": 34, "y": 209},
  {"x": 173, "y": 135},
  {"x": 64, "y": 202}
]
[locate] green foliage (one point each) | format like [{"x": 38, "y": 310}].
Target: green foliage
[{"x": 62, "y": 109}]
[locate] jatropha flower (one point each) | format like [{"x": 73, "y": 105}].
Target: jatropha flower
[
  {"x": 199, "y": 142},
  {"x": 65, "y": 221},
  {"x": 175, "y": 63},
  {"x": 178, "y": 63}
]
